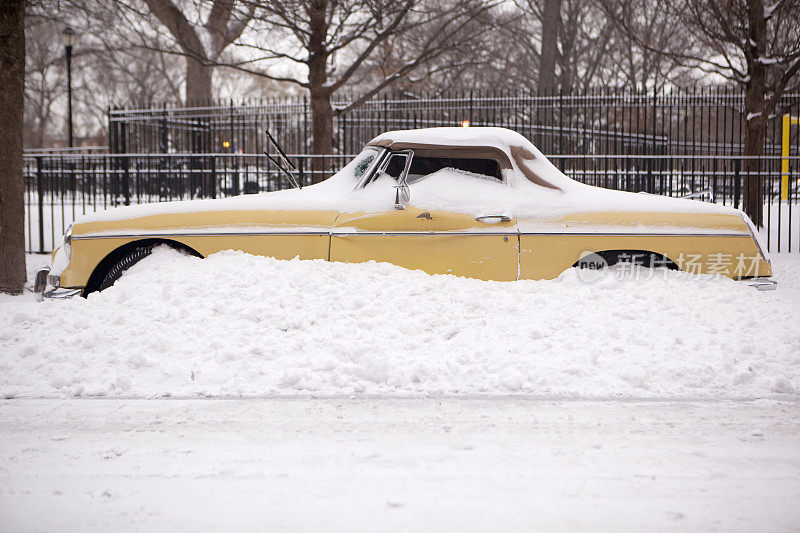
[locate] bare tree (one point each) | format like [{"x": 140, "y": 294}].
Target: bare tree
[
  {"x": 12, "y": 210},
  {"x": 646, "y": 65},
  {"x": 566, "y": 41},
  {"x": 201, "y": 40},
  {"x": 474, "y": 58},
  {"x": 328, "y": 42},
  {"x": 755, "y": 45},
  {"x": 107, "y": 69},
  {"x": 44, "y": 78},
  {"x": 572, "y": 45},
  {"x": 123, "y": 57},
  {"x": 551, "y": 21}
]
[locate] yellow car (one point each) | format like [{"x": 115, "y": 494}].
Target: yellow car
[{"x": 475, "y": 202}]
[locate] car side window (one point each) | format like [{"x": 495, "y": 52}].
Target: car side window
[{"x": 395, "y": 165}]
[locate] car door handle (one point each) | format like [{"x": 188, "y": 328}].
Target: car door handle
[{"x": 499, "y": 218}]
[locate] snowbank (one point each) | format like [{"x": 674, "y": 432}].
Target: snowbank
[{"x": 235, "y": 324}]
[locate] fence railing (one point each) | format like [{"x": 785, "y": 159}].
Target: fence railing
[
  {"x": 67, "y": 150},
  {"x": 60, "y": 188},
  {"x": 677, "y": 122}
]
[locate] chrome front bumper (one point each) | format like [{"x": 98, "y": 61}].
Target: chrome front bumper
[{"x": 45, "y": 280}]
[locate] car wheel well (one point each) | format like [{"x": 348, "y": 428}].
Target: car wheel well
[
  {"x": 645, "y": 258},
  {"x": 116, "y": 255}
]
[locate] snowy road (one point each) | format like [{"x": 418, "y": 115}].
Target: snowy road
[{"x": 371, "y": 464}]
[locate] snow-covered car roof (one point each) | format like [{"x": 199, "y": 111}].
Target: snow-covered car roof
[
  {"x": 440, "y": 137},
  {"x": 505, "y": 146}
]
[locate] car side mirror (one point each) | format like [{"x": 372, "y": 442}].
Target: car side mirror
[
  {"x": 402, "y": 192},
  {"x": 402, "y": 195}
]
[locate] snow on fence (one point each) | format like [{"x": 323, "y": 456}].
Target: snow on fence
[{"x": 60, "y": 188}]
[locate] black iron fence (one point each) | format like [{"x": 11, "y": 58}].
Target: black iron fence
[
  {"x": 674, "y": 143},
  {"x": 680, "y": 122},
  {"x": 60, "y": 188}
]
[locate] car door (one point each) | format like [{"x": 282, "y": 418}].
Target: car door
[{"x": 483, "y": 244}]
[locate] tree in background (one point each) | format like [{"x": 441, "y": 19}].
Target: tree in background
[
  {"x": 201, "y": 40},
  {"x": 45, "y": 80},
  {"x": 125, "y": 58},
  {"x": 638, "y": 54},
  {"x": 12, "y": 81},
  {"x": 478, "y": 58},
  {"x": 573, "y": 45},
  {"x": 551, "y": 23},
  {"x": 105, "y": 70},
  {"x": 329, "y": 41},
  {"x": 746, "y": 41}
]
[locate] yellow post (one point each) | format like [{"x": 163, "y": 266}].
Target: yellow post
[{"x": 787, "y": 124}]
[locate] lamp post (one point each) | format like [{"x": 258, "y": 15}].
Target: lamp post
[{"x": 68, "y": 37}]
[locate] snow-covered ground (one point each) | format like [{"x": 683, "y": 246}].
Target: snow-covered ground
[
  {"x": 239, "y": 325},
  {"x": 377, "y": 398},
  {"x": 372, "y": 464}
]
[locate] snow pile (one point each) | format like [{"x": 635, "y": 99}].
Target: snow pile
[{"x": 235, "y": 324}]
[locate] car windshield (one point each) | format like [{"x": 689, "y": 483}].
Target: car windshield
[{"x": 361, "y": 165}]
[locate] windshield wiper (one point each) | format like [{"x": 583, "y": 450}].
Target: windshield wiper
[{"x": 285, "y": 158}]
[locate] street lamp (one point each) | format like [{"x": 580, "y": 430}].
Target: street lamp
[{"x": 68, "y": 37}]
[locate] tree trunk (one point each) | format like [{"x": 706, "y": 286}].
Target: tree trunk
[
  {"x": 754, "y": 108},
  {"x": 753, "y": 146},
  {"x": 551, "y": 17},
  {"x": 12, "y": 207},
  {"x": 321, "y": 110},
  {"x": 198, "y": 82},
  {"x": 322, "y": 129}
]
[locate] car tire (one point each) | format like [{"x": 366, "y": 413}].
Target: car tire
[{"x": 130, "y": 259}]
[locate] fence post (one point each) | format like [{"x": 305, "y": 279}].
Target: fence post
[
  {"x": 471, "y": 120},
  {"x": 40, "y": 193},
  {"x": 126, "y": 179},
  {"x": 213, "y": 183},
  {"x": 560, "y": 124},
  {"x": 305, "y": 125},
  {"x": 737, "y": 183},
  {"x": 232, "y": 145},
  {"x": 110, "y": 131},
  {"x": 163, "y": 144},
  {"x": 106, "y": 165},
  {"x": 301, "y": 176}
]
